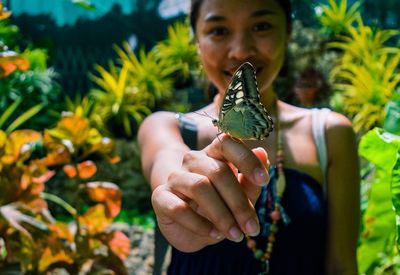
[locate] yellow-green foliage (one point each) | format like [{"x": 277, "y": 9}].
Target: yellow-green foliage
[
  {"x": 118, "y": 98},
  {"x": 131, "y": 88},
  {"x": 337, "y": 18},
  {"x": 367, "y": 74},
  {"x": 178, "y": 50},
  {"x": 148, "y": 73}
]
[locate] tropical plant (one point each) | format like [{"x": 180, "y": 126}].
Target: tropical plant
[
  {"x": 24, "y": 75},
  {"x": 80, "y": 106},
  {"x": 29, "y": 234},
  {"x": 366, "y": 76},
  {"x": 365, "y": 81},
  {"x": 142, "y": 82},
  {"x": 7, "y": 32},
  {"x": 377, "y": 253},
  {"x": 392, "y": 115},
  {"x": 151, "y": 75},
  {"x": 179, "y": 50},
  {"x": 118, "y": 101},
  {"x": 17, "y": 121},
  {"x": 337, "y": 18},
  {"x": 14, "y": 109}
]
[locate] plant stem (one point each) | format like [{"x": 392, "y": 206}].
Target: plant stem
[{"x": 69, "y": 208}]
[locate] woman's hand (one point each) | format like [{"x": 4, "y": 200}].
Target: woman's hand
[{"x": 208, "y": 200}]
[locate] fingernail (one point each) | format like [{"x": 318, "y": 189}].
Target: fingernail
[
  {"x": 260, "y": 176},
  {"x": 215, "y": 234},
  {"x": 235, "y": 234},
  {"x": 252, "y": 227}
]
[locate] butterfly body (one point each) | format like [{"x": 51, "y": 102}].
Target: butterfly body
[{"x": 242, "y": 115}]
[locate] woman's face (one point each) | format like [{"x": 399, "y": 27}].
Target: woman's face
[{"x": 230, "y": 32}]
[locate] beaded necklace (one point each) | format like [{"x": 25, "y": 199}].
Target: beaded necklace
[{"x": 277, "y": 214}]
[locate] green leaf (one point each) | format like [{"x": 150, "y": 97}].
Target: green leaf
[
  {"x": 24, "y": 117},
  {"x": 86, "y": 4},
  {"x": 9, "y": 111},
  {"x": 396, "y": 196},
  {"x": 381, "y": 149},
  {"x": 53, "y": 198},
  {"x": 392, "y": 118}
]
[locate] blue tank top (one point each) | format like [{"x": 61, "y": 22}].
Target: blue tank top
[{"x": 299, "y": 247}]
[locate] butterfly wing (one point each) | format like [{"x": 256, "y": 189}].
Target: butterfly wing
[
  {"x": 247, "y": 120},
  {"x": 242, "y": 115},
  {"x": 250, "y": 82},
  {"x": 243, "y": 85}
]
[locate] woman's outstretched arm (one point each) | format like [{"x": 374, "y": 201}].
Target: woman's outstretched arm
[{"x": 198, "y": 196}]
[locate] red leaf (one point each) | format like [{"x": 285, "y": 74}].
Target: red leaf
[
  {"x": 108, "y": 193},
  {"x": 120, "y": 245}
]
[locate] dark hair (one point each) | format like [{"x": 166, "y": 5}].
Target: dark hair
[{"x": 196, "y": 4}]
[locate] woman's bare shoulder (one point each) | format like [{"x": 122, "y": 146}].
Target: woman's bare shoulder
[
  {"x": 338, "y": 121},
  {"x": 340, "y": 135}
]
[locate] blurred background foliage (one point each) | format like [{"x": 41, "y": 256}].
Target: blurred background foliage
[{"x": 103, "y": 66}]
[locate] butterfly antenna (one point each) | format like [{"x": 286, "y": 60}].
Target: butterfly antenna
[{"x": 203, "y": 114}]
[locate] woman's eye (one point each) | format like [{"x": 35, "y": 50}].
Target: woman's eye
[
  {"x": 218, "y": 31},
  {"x": 263, "y": 26}
]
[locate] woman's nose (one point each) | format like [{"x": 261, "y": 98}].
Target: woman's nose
[{"x": 242, "y": 47}]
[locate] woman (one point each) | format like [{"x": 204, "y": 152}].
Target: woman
[{"x": 205, "y": 208}]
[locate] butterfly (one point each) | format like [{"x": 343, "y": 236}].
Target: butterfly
[{"x": 242, "y": 115}]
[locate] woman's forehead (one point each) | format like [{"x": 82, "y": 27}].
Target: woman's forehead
[{"x": 230, "y": 8}]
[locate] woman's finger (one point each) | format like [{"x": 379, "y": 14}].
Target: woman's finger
[
  {"x": 236, "y": 152},
  {"x": 220, "y": 195},
  {"x": 171, "y": 209},
  {"x": 247, "y": 185},
  {"x": 206, "y": 197}
]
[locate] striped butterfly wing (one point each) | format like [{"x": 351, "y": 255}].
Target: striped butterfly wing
[{"x": 242, "y": 115}]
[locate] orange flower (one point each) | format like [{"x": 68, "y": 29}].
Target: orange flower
[
  {"x": 9, "y": 64},
  {"x": 84, "y": 169}
]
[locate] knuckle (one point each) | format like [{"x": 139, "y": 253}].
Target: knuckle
[
  {"x": 241, "y": 210},
  {"x": 154, "y": 198},
  {"x": 173, "y": 176},
  {"x": 200, "y": 184},
  {"x": 218, "y": 170},
  {"x": 176, "y": 209},
  {"x": 224, "y": 224},
  {"x": 243, "y": 156},
  {"x": 190, "y": 156}
]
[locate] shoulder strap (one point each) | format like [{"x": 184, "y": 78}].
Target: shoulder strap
[
  {"x": 319, "y": 117},
  {"x": 188, "y": 131}
]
